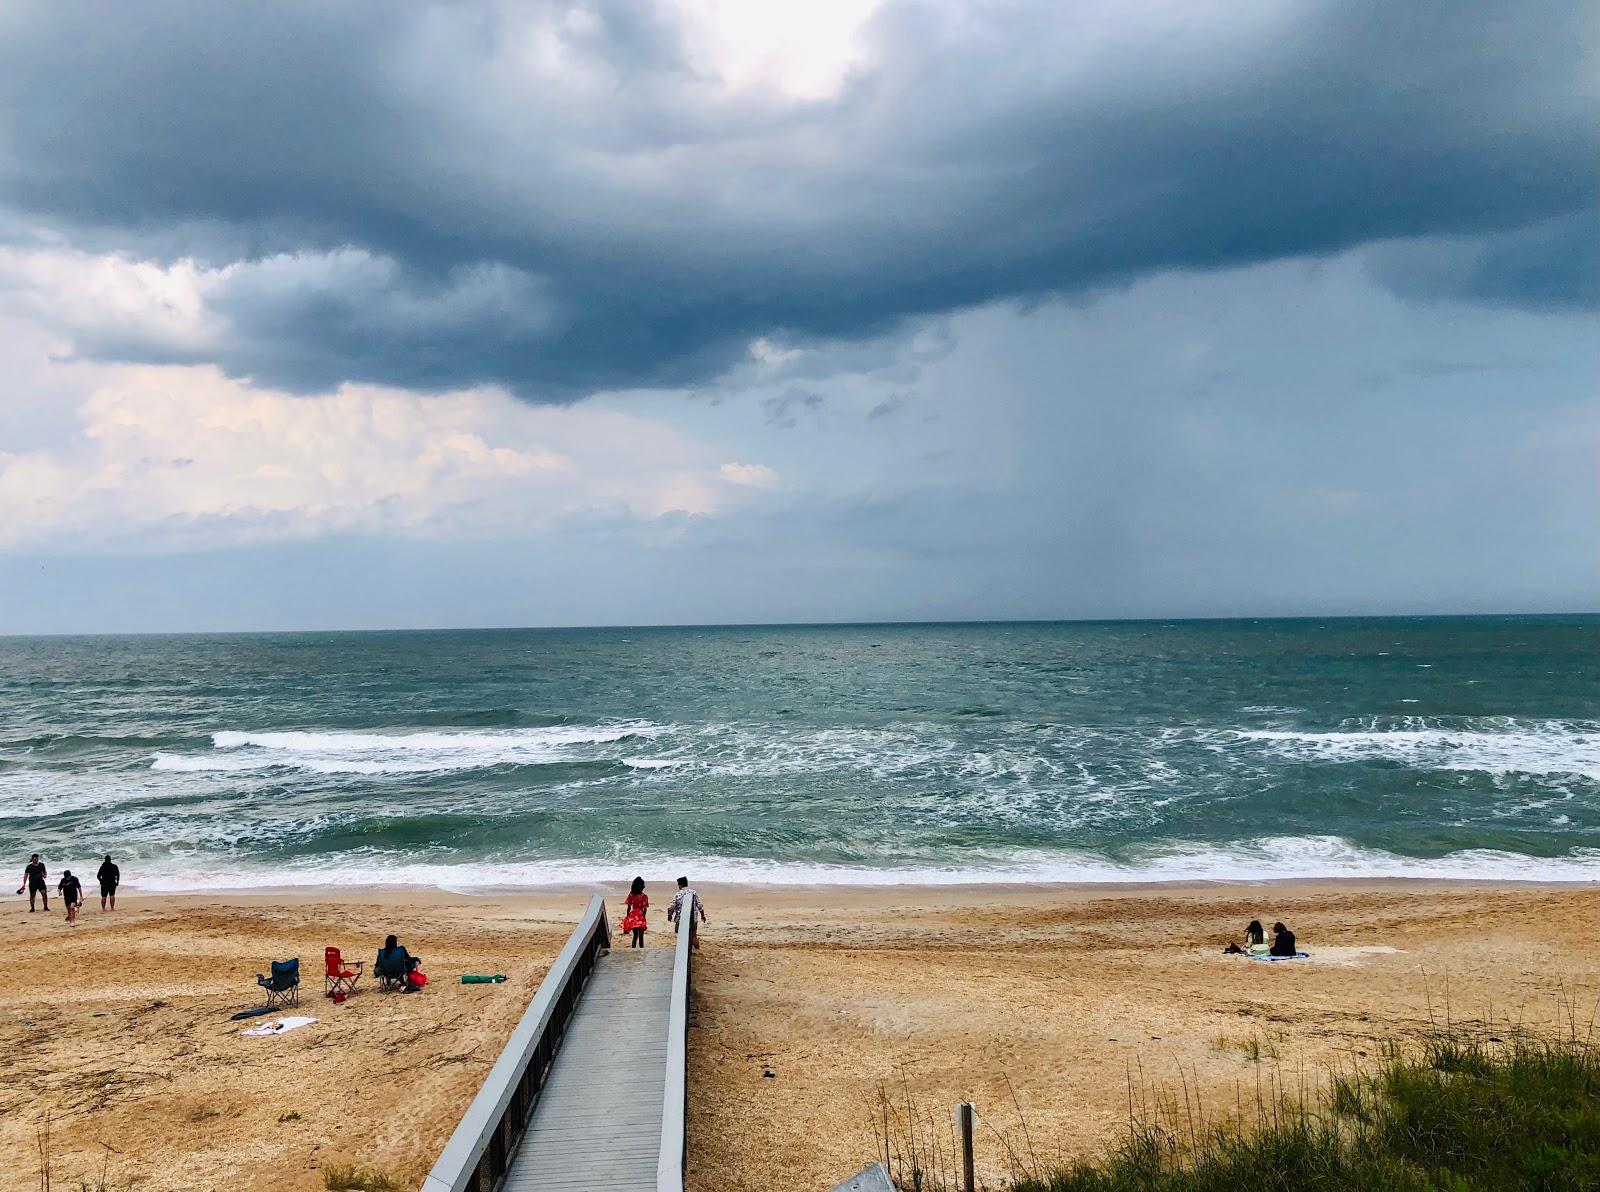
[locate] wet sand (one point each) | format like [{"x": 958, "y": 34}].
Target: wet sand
[{"x": 1039, "y": 1004}]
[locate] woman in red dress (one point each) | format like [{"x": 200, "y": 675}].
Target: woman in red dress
[{"x": 638, "y": 906}]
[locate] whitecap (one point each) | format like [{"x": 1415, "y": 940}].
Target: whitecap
[
  {"x": 1495, "y": 747},
  {"x": 1265, "y": 859}
]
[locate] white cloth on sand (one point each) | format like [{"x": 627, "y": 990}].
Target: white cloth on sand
[{"x": 280, "y": 1027}]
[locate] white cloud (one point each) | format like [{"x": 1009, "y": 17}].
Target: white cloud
[
  {"x": 804, "y": 49},
  {"x": 749, "y": 475},
  {"x": 771, "y": 355},
  {"x": 170, "y": 457},
  {"x": 116, "y": 297}
]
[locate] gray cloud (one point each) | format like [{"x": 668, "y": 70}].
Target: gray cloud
[
  {"x": 559, "y": 199},
  {"x": 783, "y": 410},
  {"x": 1553, "y": 263}
]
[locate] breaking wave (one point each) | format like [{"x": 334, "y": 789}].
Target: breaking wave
[{"x": 1265, "y": 859}]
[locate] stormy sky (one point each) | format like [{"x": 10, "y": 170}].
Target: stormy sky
[{"x": 559, "y": 313}]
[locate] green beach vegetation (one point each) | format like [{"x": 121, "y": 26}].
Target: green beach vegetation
[
  {"x": 356, "y": 1179},
  {"x": 1454, "y": 1113}
]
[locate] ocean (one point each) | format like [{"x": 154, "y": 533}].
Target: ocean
[{"x": 1103, "y": 752}]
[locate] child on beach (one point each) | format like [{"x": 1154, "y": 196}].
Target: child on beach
[
  {"x": 638, "y": 908},
  {"x": 71, "y": 894}
]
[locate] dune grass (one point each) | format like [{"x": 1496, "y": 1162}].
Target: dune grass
[
  {"x": 1457, "y": 1115},
  {"x": 354, "y": 1179}
]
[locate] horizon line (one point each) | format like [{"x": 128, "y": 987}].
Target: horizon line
[{"x": 851, "y": 624}]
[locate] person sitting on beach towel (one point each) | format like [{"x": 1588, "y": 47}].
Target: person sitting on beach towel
[
  {"x": 71, "y": 894},
  {"x": 1282, "y": 940},
  {"x": 1255, "y": 941},
  {"x": 638, "y": 908}
]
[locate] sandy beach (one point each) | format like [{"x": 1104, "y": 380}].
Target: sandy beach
[{"x": 1037, "y": 1003}]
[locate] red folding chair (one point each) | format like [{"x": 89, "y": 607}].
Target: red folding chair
[{"x": 341, "y": 975}]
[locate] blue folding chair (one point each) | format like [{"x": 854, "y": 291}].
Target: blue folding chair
[{"x": 283, "y": 986}]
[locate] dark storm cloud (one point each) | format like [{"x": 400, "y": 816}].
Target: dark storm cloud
[
  {"x": 556, "y": 198},
  {"x": 1555, "y": 263}
]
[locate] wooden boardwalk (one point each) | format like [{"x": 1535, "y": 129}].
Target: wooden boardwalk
[{"x": 597, "y": 1124}]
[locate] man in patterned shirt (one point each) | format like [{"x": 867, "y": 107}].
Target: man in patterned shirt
[{"x": 675, "y": 911}]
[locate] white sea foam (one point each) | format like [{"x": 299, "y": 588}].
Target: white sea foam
[
  {"x": 402, "y": 752},
  {"x": 1272, "y": 858},
  {"x": 204, "y": 763},
  {"x": 481, "y": 741},
  {"x": 1503, "y": 747}
]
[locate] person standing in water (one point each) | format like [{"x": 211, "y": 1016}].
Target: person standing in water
[
  {"x": 109, "y": 876},
  {"x": 33, "y": 877},
  {"x": 638, "y": 909},
  {"x": 71, "y": 894},
  {"x": 686, "y": 896}
]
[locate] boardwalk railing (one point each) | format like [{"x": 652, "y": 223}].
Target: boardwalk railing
[
  {"x": 669, "y": 1168},
  {"x": 479, "y": 1152}
]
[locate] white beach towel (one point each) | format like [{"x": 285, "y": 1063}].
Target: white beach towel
[
  {"x": 1272, "y": 959},
  {"x": 281, "y": 1027}
]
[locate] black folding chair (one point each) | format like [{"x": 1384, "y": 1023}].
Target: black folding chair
[
  {"x": 392, "y": 971},
  {"x": 283, "y": 986}
]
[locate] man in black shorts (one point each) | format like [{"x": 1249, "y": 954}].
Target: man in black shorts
[
  {"x": 33, "y": 878},
  {"x": 71, "y": 894},
  {"x": 109, "y": 876}
]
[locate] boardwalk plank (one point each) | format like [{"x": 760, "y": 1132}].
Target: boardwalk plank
[{"x": 597, "y": 1126}]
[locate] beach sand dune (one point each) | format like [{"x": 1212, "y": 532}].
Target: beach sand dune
[{"x": 1039, "y": 1004}]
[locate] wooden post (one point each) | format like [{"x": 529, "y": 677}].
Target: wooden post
[{"x": 964, "y": 1129}]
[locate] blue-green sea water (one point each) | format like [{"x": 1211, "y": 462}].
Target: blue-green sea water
[{"x": 1060, "y": 752}]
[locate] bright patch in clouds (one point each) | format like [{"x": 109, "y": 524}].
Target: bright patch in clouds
[
  {"x": 803, "y": 50},
  {"x": 749, "y": 475},
  {"x": 181, "y": 457},
  {"x": 72, "y": 291}
]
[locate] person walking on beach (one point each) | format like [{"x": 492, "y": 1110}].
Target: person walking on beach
[
  {"x": 71, "y": 894},
  {"x": 675, "y": 911},
  {"x": 109, "y": 876},
  {"x": 33, "y": 877},
  {"x": 638, "y": 909}
]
